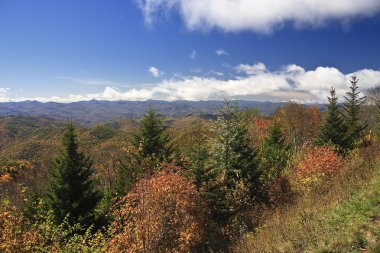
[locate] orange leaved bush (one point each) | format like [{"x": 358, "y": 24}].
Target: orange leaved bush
[
  {"x": 259, "y": 130},
  {"x": 15, "y": 235},
  {"x": 10, "y": 170},
  {"x": 161, "y": 214},
  {"x": 317, "y": 163}
]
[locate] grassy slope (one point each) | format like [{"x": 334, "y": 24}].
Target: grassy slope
[
  {"x": 346, "y": 220},
  {"x": 354, "y": 224}
]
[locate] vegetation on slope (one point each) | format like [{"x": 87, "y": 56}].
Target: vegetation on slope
[
  {"x": 343, "y": 217},
  {"x": 240, "y": 182}
]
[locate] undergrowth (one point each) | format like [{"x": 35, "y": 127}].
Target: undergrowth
[{"x": 342, "y": 217}]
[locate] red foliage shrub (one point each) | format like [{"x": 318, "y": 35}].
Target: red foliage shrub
[
  {"x": 259, "y": 130},
  {"x": 160, "y": 214},
  {"x": 318, "y": 161}
]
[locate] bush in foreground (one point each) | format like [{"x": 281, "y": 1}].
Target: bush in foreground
[
  {"x": 160, "y": 214},
  {"x": 317, "y": 164}
]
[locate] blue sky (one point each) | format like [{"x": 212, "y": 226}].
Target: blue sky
[{"x": 70, "y": 50}]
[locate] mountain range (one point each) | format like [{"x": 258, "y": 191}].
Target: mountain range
[{"x": 95, "y": 111}]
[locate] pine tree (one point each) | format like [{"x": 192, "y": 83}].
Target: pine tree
[
  {"x": 233, "y": 155},
  {"x": 126, "y": 177},
  {"x": 275, "y": 137},
  {"x": 198, "y": 155},
  {"x": 236, "y": 185},
  {"x": 274, "y": 154},
  {"x": 373, "y": 95},
  {"x": 352, "y": 107},
  {"x": 334, "y": 130},
  {"x": 151, "y": 140},
  {"x": 71, "y": 192}
]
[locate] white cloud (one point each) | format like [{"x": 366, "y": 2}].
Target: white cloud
[
  {"x": 221, "y": 52},
  {"x": 257, "y": 15},
  {"x": 3, "y": 94},
  {"x": 155, "y": 71},
  {"x": 193, "y": 54},
  {"x": 252, "y": 82},
  {"x": 215, "y": 73},
  {"x": 251, "y": 69}
]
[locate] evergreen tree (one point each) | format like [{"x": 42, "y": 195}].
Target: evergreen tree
[
  {"x": 235, "y": 186},
  {"x": 373, "y": 95},
  {"x": 233, "y": 155},
  {"x": 334, "y": 130},
  {"x": 352, "y": 107},
  {"x": 151, "y": 140},
  {"x": 126, "y": 177},
  {"x": 71, "y": 192},
  {"x": 151, "y": 146},
  {"x": 275, "y": 137},
  {"x": 198, "y": 155},
  {"x": 274, "y": 154}
]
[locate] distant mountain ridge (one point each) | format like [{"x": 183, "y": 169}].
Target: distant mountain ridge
[{"x": 97, "y": 111}]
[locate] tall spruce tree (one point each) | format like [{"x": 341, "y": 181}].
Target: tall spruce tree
[
  {"x": 274, "y": 154},
  {"x": 151, "y": 139},
  {"x": 373, "y": 95},
  {"x": 334, "y": 130},
  {"x": 71, "y": 192},
  {"x": 236, "y": 185},
  {"x": 198, "y": 155},
  {"x": 151, "y": 147},
  {"x": 352, "y": 106},
  {"x": 126, "y": 177},
  {"x": 233, "y": 155}
]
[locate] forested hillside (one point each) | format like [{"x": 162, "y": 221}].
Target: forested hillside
[{"x": 301, "y": 179}]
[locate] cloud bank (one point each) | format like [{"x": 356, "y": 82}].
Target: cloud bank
[
  {"x": 257, "y": 15},
  {"x": 251, "y": 82}
]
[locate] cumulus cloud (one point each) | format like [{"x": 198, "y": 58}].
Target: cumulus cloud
[
  {"x": 251, "y": 82},
  {"x": 3, "y": 94},
  {"x": 221, "y": 52},
  {"x": 155, "y": 71},
  {"x": 251, "y": 69},
  {"x": 257, "y": 15}
]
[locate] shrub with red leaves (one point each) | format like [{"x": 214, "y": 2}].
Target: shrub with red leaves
[
  {"x": 317, "y": 163},
  {"x": 160, "y": 214}
]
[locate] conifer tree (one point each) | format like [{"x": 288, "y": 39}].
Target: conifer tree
[
  {"x": 236, "y": 185},
  {"x": 150, "y": 139},
  {"x": 352, "y": 107},
  {"x": 274, "y": 154},
  {"x": 198, "y": 155},
  {"x": 233, "y": 155},
  {"x": 373, "y": 95},
  {"x": 126, "y": 177},
  {"x": 334, "y": 130},
  {"x": 71, "y": 192}
]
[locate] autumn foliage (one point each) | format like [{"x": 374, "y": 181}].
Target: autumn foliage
[
  {"x": 10, "y": 170},
  {"x": 317, "y": 163},
  {"x": 299, "y": 122},
  {"x": 259, "y": 129},
  {"x": 13, "y": 236},
  {"x": 160, "y": 214}
]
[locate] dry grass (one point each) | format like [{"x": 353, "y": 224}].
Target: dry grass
[{"x": 342, "y": 217}]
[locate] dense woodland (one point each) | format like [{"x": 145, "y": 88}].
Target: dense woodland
[{"x": 300, "y": 180}]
